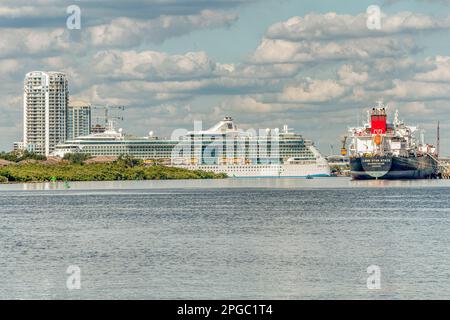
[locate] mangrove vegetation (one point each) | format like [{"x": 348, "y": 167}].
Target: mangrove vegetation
[{"x": 74, "y": 169}]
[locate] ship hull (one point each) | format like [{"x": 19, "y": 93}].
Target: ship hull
[
  {"x": 393, "y": 168},
  {"x": 266, "y": 171}
]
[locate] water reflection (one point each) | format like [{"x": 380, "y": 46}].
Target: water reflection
[{"x": 271, "y": 183}]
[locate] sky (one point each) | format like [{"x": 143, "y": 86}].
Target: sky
[{"x": 314, "y": 65}]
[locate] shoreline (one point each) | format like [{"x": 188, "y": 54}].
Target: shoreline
[{"x": 96, "y": 172}]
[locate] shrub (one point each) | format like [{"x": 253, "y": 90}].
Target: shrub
[
  {"x": 76, "y": 158},
  {"x": 98, "y": 172},
  {"x": 17, "y": 156}
]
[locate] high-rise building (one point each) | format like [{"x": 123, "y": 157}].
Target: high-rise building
[
  {"x": 78, "y": 119},
  {"x": 46, "y": 95}
]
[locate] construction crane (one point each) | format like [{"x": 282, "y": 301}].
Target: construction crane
[
  {"x": 344, "y": 146},
  {"x": 108, "y": 119}
]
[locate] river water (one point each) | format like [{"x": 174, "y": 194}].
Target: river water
[{"x": 226, "y": 239}]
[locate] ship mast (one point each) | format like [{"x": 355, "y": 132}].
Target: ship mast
[{"x": 438, "y": 142}]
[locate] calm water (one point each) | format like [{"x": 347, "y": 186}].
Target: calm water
[{"x": 237, "y": 239}]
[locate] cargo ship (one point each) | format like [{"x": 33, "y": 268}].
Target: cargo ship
[{"x": 390, "y": 150}]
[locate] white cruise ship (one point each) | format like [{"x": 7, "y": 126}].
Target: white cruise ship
[{"x": 222, "y": 149}]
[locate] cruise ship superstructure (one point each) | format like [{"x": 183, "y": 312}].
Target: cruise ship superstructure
[{"x": 224, "y": 148}]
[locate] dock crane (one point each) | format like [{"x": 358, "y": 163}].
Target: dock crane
[{"x": 344, "y": 146}]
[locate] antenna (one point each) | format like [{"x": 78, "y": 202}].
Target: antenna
[{"x": 396, "y": 121}]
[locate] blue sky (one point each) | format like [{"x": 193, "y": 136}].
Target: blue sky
[
  {"x": 239, "y": 40},
  {"x": 311, "y": 64},
  {"x": 244, "y": 36}
]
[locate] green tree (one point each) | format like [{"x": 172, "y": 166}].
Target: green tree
[
  {"x": 128, "y": 161},
  {"x": 76, "y": 158},
  {"x": 17, "y": 156}
]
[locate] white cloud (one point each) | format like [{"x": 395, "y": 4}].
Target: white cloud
[
  {"x": 348, "y": 65},
  {"x": 122, "y": 32},
  {"x": 51, "y": 13},
  {"x": 332, "y": 26},
  {"x": 388, "y": 66},
  {"x": 126, "y": 32},
  {"x": 418, "y": 90},
  {"x": 23, "y": 42},
  {"x": 9, "y": 66},
  {"x": 350, "y": 77},
  {"x": 283, "y": 51},
  {"x": 153, "y": 65},
  {"x": 416, "y": 107},
  {"x": 248, "y": 104},
  {"x": 312, "y": 91},
  {"x": 24, "y": 11},
  {"x": 266, "y": 71},
  {"x": 440, "y": 72}
]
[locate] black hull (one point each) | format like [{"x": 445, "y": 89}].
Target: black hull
[{"x": 393, "y": 168}]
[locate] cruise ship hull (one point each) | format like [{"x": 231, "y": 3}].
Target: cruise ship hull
[
  {"x": 266, "y": 171},
  {"x": 393, "y": 167}
]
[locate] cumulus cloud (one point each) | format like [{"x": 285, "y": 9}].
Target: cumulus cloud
[
  {"x": 120, "y": 33},
  {"x": 260, "y": 71},
  {"x": 440, "y": 71},
  {"x": 21, "y": 42},
  {"x": 9, "y": 66},
  {"x": 416, "y": 107},
  {"x": 317, "y": 63},
  {"x": 283, "y": 51},
  {"x": 418, "y": 90},
  {"x": 331, "y": 26},
  {"x": 333, "y": 37},
  {"x": 312, "y": 91},
  {"x": 247, "y": 104},
  {"x": 350, "y": 77},
  {"x": 126, "y": 32},
  {"x": 154, "y": 65},
  {"x": 52, "y": 13}
]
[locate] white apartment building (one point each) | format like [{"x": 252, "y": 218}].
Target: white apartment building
[
  {"x": 78, "y": 119},
  {"x": 45, "y": 102}
]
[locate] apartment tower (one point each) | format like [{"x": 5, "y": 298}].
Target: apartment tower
[
  {"x": 45, "y": 103},
  {"x": 78, "y": 119}
]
